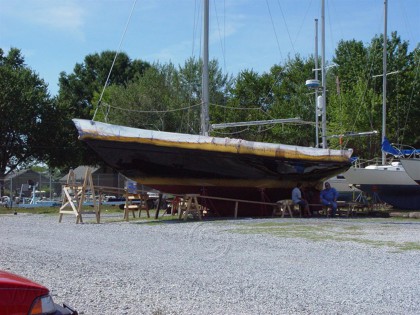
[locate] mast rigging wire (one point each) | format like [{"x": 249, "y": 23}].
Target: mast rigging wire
[{"x": 113, "y": 62}]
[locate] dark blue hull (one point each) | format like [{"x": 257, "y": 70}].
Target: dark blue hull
[{"x": 403, "y": 197}]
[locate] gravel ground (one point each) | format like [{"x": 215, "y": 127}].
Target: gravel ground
[{"x": 247, "y": 266}]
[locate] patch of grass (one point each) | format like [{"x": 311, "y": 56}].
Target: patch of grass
[
  {"x": 321, "y": 232},
  {"x": 368, "y": 242},
  {"x": 398, "y": 246},
  {"x": 409, "y": 246},
  {"x": 292, "y": 230},
  {"x": 352, "y": 228}
]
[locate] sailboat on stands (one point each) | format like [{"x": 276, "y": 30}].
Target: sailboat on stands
[
  {"x": 388, "y": 181},
  {"x": 214, "y": 167}
]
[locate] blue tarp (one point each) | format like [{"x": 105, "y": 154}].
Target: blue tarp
[{"x": 388, "y": 148}]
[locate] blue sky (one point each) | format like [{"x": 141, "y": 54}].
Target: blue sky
[{"x": 54, "y": 35}]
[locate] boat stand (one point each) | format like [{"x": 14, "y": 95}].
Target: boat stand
[
  {"x": 74, "y": 196},
  {"x": 190, "y": 205},
  {"x": 136, "y": 202}
]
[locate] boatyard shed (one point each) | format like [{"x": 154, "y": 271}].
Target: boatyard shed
[
  {"x": 101, "y": 176},
  {"x": 22, "y": 182}
]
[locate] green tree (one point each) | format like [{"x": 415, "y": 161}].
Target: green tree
[
  {"x": 250, "y": 98},
  {"x": 190, "y": 81},
  {"x": 78, "y": 88},
  {"x": 278, "y": 94},
  {"x": 78, "y": 98},
  {"x": 166, "y": 98},
  {"x": 293, "y": 99},
  {"x": 356, "y": 104},
  {"x": 27, "y": 113},
  {"x": 146, "y": 101}
]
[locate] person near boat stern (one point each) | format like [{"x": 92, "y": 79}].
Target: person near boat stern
[
  {"x": 299, "y": 200},
  {"x": 329, "y": 197}
]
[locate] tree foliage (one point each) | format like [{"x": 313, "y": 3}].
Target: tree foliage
[
  {"x": 294, "y": 100},
  {"x": 356, "y": 104},
  {"x": 250, "y": 99},
  {"x": 27, "y": 113},
  {"x": 165, "y": 97},
  {"x": 78, "y": 93},
  {"x": 168, "y": 97}
]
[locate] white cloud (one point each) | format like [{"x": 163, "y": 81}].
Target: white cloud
[
  {"x": 64, "y": 15},
  {"x": 176, "y": 53},
  {"x": 232, "y": 26},
  {"x": 67, "y": 16}
]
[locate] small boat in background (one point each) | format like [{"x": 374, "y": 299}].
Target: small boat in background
[{"x": 390, "y": 183}]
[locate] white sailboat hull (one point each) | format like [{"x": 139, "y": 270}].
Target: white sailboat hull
[{"x": 412, "y": 167}]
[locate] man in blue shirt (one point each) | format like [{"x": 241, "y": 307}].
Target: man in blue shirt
[
  {"x": 298, "y": 200},
  {"x": 329, "y": 197}
]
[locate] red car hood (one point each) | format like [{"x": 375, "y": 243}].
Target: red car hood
[{"x": 9, "y": 280}]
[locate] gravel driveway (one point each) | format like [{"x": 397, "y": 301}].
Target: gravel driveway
[{"x": 247, "y": 266}]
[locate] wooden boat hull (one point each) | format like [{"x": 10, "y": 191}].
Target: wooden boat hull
[{"x": 215, "y": 167}]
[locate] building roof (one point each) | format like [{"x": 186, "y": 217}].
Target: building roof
[
  {"x": 80, "y": 172},
  {"x": 19, "y": 173}
]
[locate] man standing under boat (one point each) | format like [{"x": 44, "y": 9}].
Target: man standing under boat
[{"x": 299, "y": 200}]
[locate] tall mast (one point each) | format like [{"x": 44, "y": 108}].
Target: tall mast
[
  {"x": 384, "y": 57},
  {"x": 324, "y": 81},
  {"x": 205, "y": 78},
  {"x": 316, "y": 90}
]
